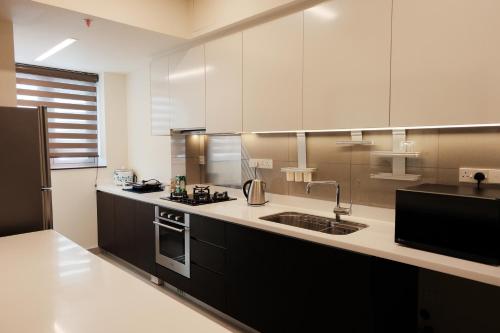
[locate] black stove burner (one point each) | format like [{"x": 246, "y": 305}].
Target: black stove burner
[
  {"x": 200, "y": 196},
  {"x": 220, "y": 196}
]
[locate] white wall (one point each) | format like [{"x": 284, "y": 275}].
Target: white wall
[
  {"x": 114, "y": 99},
  {"x": 129, "y": 143},
  {"x": 74, "y": 205},
  {"x": 149, "y": 156},
  {"x": 73, "y": 191},
  {"x": 7, "y": 65}
]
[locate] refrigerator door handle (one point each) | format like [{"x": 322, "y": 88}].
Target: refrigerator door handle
[
  {"x": 47, "y": 209},
  {"x": 44, "y": 147}
]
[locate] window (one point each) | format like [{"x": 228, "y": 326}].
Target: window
[{"x": 71, "y": 100}]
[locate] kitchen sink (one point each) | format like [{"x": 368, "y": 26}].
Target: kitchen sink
[{"x": 316, "y": 223}]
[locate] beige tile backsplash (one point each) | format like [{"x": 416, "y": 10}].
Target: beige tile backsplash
[
  {"x": 442, "y": 151},
  {"x": 469, "y": 147}
]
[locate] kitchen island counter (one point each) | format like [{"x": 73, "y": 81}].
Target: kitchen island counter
[{"x": 50, "y": 284}]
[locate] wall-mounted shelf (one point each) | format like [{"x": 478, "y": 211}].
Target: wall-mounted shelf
[
  {"x": 396, "y": 154},
  {"x": 399, "y": 156},
  {"x": 291, "y": 169},
  {"x": 298, "y": 174},
  {"x": 390, "y": 176},
  {"x": 301, "y": 173},
  {"x": 356, "y": 139}
]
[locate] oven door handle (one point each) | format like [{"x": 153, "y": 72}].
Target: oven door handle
[{"x": 169, "y": 227}]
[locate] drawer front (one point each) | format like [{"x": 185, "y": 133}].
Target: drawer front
[
  {"x": 208, "y": 287},
  {"x": 208, "y": 230},
  {"x": 208, "y": 256}
]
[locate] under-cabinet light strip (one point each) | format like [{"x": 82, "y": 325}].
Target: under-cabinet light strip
[{"x": 381, "y": 128}]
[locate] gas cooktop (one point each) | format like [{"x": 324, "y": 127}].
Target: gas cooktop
[{"x": 201, "y": 196}]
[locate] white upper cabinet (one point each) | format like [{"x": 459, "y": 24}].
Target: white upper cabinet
[
  {"x": 347, "y": 45},
  {"x": 272, "y": 75},
  {"x": 187, "y": 88},
  {"x": 223, "y": 60},
  {"x": 160, "y": 112},
  {"x": 445, "y": 62}
]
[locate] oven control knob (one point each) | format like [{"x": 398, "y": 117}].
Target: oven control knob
[
  {"x": 170, "y": 216},
  {"x": 178, "y": 218}
]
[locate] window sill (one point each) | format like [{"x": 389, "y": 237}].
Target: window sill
[{"x": 77, "y": 167}]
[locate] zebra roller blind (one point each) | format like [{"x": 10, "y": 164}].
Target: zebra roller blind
[{"x": 71, "y": 99}]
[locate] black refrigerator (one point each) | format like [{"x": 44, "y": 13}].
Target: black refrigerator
[{"x": 25, "y": 186}]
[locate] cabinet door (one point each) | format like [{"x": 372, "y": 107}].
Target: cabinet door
[
  {"x": 445, "y": 62},
  {"x": 105, "y": 221},
  {"x": 160, "y": 112},
  {"x": 208, "y": 287},
  {"x": 223, "y": 60},
  {"x": 187, "y": 88},
  {"x": 272, "y": 75},
  {"x": 208, "y": 230},
  {"x": 144, "y": 237},
  {"x": 281, "y": 284},
  {"x": 124, "y": 228},
  {"x": 347, "y": 45},
  {"x": 256, "y": 275}
]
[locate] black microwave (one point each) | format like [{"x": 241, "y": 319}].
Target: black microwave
[{"x": 459, "y": 221}]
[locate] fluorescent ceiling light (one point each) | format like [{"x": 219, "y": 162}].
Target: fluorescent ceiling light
[{"x": 65, "y": 43}]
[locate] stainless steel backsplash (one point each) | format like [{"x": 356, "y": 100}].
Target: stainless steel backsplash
[{"x": 223, "y": 160}]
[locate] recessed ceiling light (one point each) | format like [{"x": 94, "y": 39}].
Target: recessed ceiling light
[{"x": 65, "y": 43}]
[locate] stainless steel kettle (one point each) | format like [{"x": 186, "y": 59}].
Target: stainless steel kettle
[{"x": 256, "y": 195}]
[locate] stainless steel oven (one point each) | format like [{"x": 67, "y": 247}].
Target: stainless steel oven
[{"x": 172, "y": 240}]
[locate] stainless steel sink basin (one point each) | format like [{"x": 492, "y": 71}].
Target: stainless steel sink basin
[{"x": 316, "y": 223}]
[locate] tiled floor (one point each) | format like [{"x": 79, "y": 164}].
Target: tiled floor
[{"x": 211, "y": 314}]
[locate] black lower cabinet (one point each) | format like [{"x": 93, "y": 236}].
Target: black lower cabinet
[
  {"x": 125, "y": 229},
  {"x": 270, "y": 282},
  {"x": 394, "y": 296},
  {"x": 281, "y": 284},
  {"x": 208, "y": 287},
  {"x": 450, "y": 304},
  {"x": 124, "y": 222},
  {"x": 144, "y": 240},
  {"x": 208, "y": 261},
  {"x": 105, "y": 221}
]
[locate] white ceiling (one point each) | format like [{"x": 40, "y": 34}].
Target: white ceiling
[{"x": 104, "y": 47}]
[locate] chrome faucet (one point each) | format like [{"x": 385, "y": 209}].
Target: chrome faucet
[{"x": 338, "y": 210}]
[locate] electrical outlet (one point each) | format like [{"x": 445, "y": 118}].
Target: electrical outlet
[
  {"x": 466, "y": 175},
  {"x": 260, "y": 163}
]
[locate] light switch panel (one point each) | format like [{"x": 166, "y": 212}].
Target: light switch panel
[{"x": 260, "y": 163}]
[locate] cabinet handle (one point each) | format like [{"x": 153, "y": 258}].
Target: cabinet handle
[{"x": 168, "y": 227}]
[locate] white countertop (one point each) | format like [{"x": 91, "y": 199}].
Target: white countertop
[
  {"x": 376, "y": 240},
  {"x": 50, "y": 284}
]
